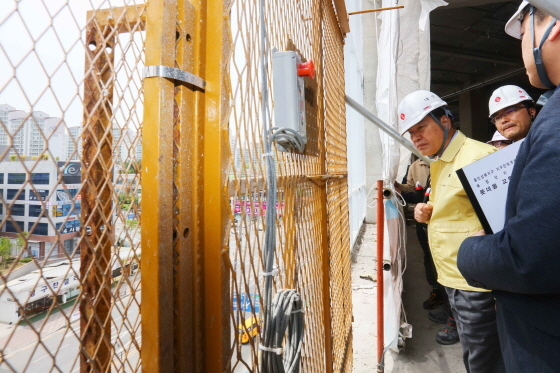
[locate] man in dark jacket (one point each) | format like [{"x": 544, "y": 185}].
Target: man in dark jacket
[{"x": 521, "y": 263}]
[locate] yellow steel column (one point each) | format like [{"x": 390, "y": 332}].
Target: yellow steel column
[
  {"x": 187, "y": 211},
  {"x": 215, "y": 241},
  {"x": 157, "y": 189}
]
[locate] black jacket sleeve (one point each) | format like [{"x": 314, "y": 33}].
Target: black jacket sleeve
[{"x": 414, "y": 197}]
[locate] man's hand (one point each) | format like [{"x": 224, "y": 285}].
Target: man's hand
[
  {"x": 479, "y": 233},
  {"x": 423, "y": 212}
]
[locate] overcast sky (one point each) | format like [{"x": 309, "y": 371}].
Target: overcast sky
[{"x": 42, "y": 58}]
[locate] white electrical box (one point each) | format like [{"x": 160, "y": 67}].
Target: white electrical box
[{"x": 289, "y": 93}]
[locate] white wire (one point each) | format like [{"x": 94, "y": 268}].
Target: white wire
[
  {"x": 399, "y": 196},
  {"x": 374, "y": 198}
]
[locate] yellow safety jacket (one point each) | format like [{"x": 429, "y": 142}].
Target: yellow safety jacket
[{"x": 453, "y": 217}]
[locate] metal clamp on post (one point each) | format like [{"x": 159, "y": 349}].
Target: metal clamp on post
[{"x": 173, "y": 73}]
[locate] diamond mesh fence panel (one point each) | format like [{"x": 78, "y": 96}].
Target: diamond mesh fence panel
[
  {"x": 312, "y": 252},
  {"x": 337, "y": 200},
  {"x": 70, "y": 154}
]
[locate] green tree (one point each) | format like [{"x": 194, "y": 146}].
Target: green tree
[
  {"x": 131, "y": 167},
  {"x": 21, "y": 241},
  {"x": 5, "y": 250}
]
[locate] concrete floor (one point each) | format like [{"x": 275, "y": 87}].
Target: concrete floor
[{"x": 421, "y": 353}]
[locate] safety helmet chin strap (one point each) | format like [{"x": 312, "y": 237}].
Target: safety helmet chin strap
[
  {"x": 445, "y": 133},
  {"x": 537, "y": 52}
]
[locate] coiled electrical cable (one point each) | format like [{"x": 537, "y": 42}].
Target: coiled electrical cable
[
  {"x": 290, "y": 139},
  {"x": 283, "y": 336},
  {"x": 283, "y": 316}
]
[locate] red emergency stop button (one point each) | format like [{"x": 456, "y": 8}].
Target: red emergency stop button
[{"x": 307, "y": 69}]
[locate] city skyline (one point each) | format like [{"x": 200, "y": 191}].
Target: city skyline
[{"x": 29, "y": 132}]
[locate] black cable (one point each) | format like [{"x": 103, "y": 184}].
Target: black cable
[
  {"x": 282, "y": 335},
  {"x": 282, "y": 339},
  {"x": 283, "y": 330}
]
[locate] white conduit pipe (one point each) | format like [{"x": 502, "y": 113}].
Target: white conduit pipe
[
  {"x": 385, "y": 128},
  {"x": 551, "y": 7}
]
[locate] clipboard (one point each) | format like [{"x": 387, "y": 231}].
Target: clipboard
[{"x": 486, "y": 183}]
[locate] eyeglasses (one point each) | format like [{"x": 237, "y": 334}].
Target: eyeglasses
[
  {"x": 505, "y": 113},
  {"x": 498, "y": 144}
]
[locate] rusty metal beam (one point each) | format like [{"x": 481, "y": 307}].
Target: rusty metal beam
[
  {"x": 102, "y": 30},
  {"x": 122, "y": 19},
  {"x": 95, "y": 267},
  {"x": 157, "y": 351}
]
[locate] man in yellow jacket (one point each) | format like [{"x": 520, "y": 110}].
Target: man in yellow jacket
[{"x": 451, "y": 218}]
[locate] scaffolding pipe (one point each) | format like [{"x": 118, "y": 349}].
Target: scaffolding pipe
[
  {"x": 375, "y": 10},
  {"x": 551, "y": 7},
  {"x": 385, "y": 128},
  {"x": 380, "y": 229},
  {"x": 484, "y": 83}
]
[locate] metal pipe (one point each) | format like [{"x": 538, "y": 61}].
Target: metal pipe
[
  {"x": 485, "y": 83},
  {"x": 551, "y": 7},
  {"x": 387, "y": 193},
  {"x": 385, "y": 128},
  {"x": 376, "y": 10},
  {"x": 380, "y": 230}
]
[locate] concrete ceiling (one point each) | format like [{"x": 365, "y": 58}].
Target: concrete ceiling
[
  {"x": 469, "y": 49},
  {"x": 464, "y": 3}
]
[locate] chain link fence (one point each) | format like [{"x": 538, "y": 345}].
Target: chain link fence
[
  {"x": 312, "y": 251},
  {"x": 70, "y": 155}
]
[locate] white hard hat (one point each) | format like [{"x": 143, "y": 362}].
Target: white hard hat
[
  {"x": 415, "y": 106},
  {"x": 513, "y": 26},
  {"x": 505, "y": 96},
  {"x": 497, "y": 137}
]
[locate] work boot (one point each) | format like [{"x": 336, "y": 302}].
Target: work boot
[
  {"x": 448, "y": 335},
  {"x": 434, "y": 300},
  {"x": 440, "y": 317}
]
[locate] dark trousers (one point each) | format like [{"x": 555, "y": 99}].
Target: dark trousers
[
  {"x": 526, "y": 349},
  {"x": 475, "y": 314},
  {"x": 431, "y": 274}
]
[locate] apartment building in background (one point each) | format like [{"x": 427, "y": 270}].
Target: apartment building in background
[
  {"x": 31, "y": 134},
  {"x": 39, "y": 204},
  {"x": 27, "y": 134},
  {"x": 74, "y": 143}
]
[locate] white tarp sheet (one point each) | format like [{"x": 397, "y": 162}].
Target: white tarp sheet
[{"x": 403, "y": 67}]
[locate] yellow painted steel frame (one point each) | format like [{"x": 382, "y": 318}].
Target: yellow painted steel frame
[
  {"x": 216, "y": 205},
  {"x": 185, "y": 290},
  {"x": 157, "y": 189}
]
